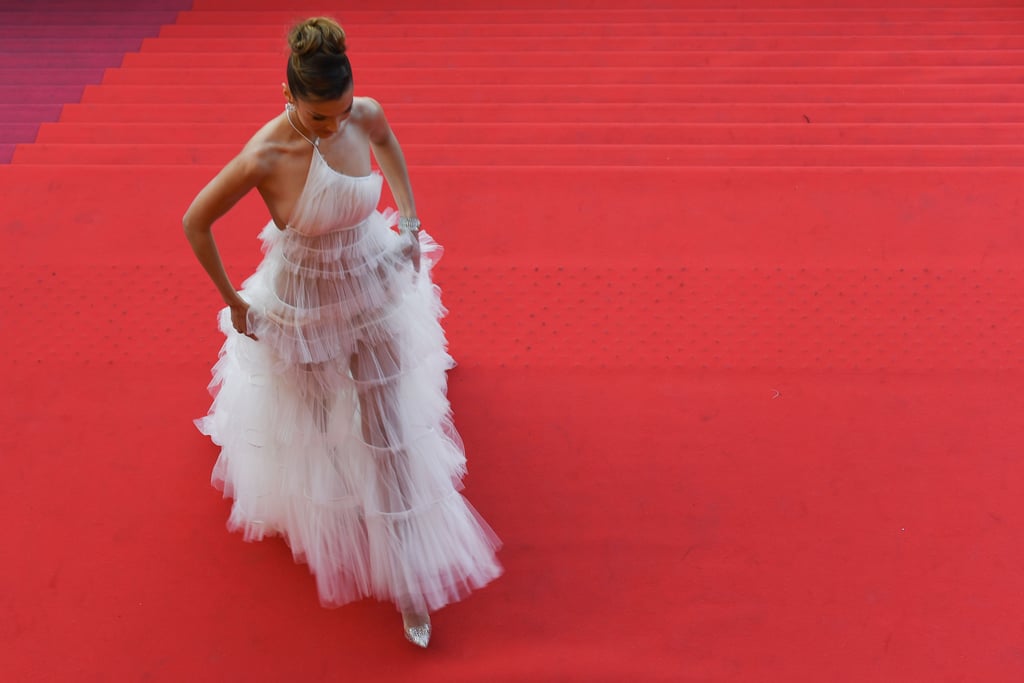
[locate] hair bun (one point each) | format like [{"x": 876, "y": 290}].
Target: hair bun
[
  {"x": 318, "y": 68},
  {"x": 318, "y": 35}
]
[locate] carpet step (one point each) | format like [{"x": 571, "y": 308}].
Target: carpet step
[
  {"x": 530, "y": 30},
  {"x": 44, "y": 77},
  {"x": 558, "y": 133},
  {"x": 560, "y": 155},
  {"x": 478, "y": 59},
  {"x": 14, "y": 133},
  {"x": 77, "y": 33},
  {"x": 57, "y": 45},
  {"x": 569, "y": 113},
  {"x": 353, "y": 17},
  {"x": 123, "y": 17},
  {"x": 27, "y": 94},
  {"x": 29, "y": 113},
  {"x": 544, "y": 94},
  {"x": 903, "y": 218},
  {"x": 587, "y": 5},
  {"x": 51, "y": 60},
  {"x": 105, "y": 6},
  {"x": 592, "y": 76},
  {"x": 611, "y": 44}
]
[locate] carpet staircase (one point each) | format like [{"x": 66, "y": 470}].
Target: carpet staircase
[
  {"x": 770, "y": 251},
  {"x": 647, "y": 113}
]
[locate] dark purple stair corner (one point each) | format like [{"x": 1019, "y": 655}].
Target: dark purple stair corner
[{"x": 50, "y": 50}]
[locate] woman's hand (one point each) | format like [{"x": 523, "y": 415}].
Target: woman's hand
[
  {"x": 240, "y": 318},
  {"x": 412, "y": 249}
]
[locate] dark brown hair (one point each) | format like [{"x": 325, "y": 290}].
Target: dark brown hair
[{"x": 318, "y": 68}]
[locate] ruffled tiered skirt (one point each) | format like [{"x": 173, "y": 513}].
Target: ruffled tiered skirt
[{"x": 334, "y": 425}]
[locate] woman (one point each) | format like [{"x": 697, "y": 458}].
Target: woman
[{"x": 329, "y": 395}]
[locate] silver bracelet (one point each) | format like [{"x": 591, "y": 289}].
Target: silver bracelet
[{"x": 406, "y": 224}]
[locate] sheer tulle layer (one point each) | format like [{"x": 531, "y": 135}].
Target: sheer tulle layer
[
  {"x": 314, "y": 298},
  {"x": 335, "y": 428}
]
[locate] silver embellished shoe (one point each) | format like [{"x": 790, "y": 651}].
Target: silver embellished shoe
[{"x": 417, "y": 635}]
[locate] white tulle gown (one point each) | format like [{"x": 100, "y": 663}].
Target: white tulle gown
[{"x": 334, "y": 427}]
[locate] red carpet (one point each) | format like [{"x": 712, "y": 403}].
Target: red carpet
[{"x": 735, "y": 295}]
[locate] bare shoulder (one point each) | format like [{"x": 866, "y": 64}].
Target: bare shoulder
[
  {"x": 263, "y": 152},
  {"x": 368, "y": 114},
  {"x": 366, "y": 108},
  {"x": 254, "y": 165}
]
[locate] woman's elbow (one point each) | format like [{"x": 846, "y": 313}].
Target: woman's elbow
[
  {"x": 191, "y": 226},
  {"x": 187, "y": 224}
]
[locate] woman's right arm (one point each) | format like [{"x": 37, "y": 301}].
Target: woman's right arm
[{"x": 242, "y": 174}]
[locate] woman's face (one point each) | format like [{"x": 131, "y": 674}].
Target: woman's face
[{"x": 323, "y": 118}]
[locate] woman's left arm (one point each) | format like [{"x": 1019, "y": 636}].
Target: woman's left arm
[
  {"x": 390, "y": 158},
  {"x": 392, "y": 164}
]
